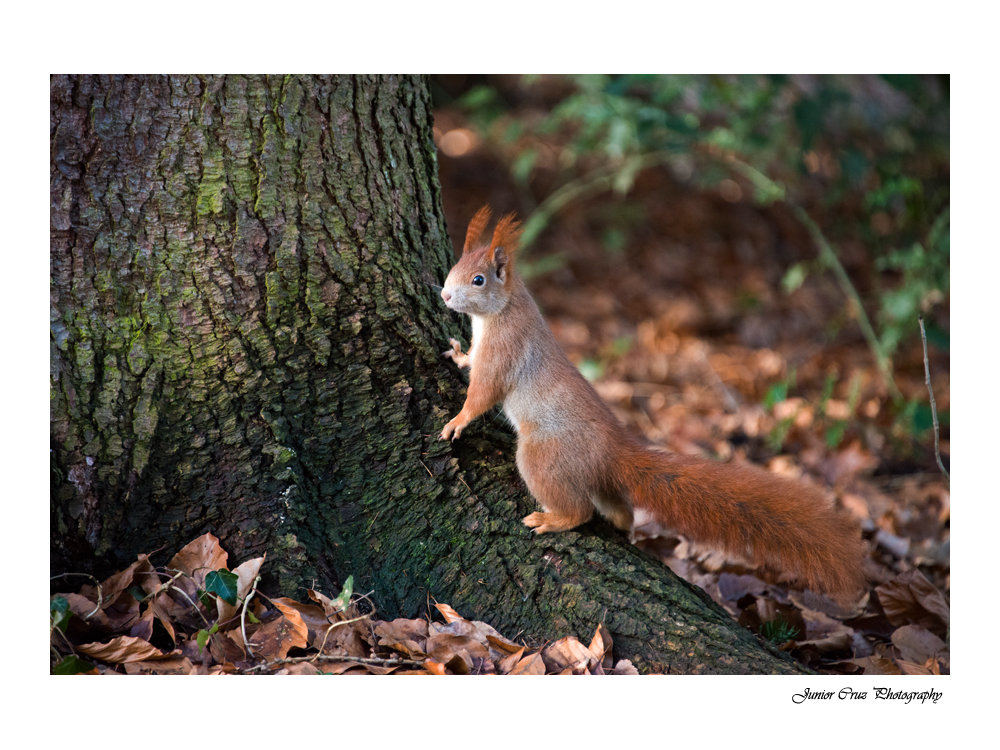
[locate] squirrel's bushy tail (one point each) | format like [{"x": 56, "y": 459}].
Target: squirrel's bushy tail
[{"x": 783, "y": 526}]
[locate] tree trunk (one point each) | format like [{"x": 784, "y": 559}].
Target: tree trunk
[{"x": 245, "y": 341}]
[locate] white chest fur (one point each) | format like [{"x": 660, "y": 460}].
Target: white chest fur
[{"x": 478, "y": 324}]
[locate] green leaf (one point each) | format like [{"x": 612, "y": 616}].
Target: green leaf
[
  {"x": 59, "y": 613},
  {"x": 835, "y": 434},
  {"x": 224, "y": 584},
  {"x": 252, "y": 617},
  {"x": 793, "y": 278},
  {"x": 344, "y": 599},
  {"x": 72, "y": 665},
  {"x": 203, "y": 635},
  {"x": 137, "y": 593},
  {"x": 776, "y": 394},
  {"x": 525, "y": 162},
  {"x": 591, "y": 369}
]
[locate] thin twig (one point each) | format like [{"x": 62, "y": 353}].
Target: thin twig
[
  {"x": 168, "y": 586},
  {"x": 243, "y": 615},
  {"x": 927, "y": 376},
  {"x": 99, "y": 595},
  {"x": 333, "y": 658},
  {"x": 335, "y": 624}
]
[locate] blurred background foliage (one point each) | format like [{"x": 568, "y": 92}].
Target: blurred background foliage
[{"x": 863, "y": 159}]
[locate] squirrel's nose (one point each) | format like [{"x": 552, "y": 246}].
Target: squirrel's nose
[{"x": 445, "y": 295}]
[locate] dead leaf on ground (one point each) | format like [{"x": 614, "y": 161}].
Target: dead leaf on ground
[
  {"x": 122, "y": 649},
  {"x": 907, "y": 667},
  {"x": 196, "y": 559},
  {"x": 461, "y": 654},
  {"x": 917, "y": 644},
  {"x": 91, "y": 616},
  {"x": 327, "y": 604},
  {"x": 625, "y": 667},
  {"x": 247, "y": 574},
  {"x": 449, "y": 614},
  {"x": 877, "y": 665},
  {"x": 825, "y": 633},
  {"x": 847, "y": 462},
  {"x": 143, "y": 627},
  {"x": 528, "y": 665},
  {"x": 505, "y": 665},
  {"x": 302, "y": 667},
  {"x": 434, "y": 667},
  {"x": 601, "y": 645},
  {"x": 568, "y": 653},
  {"x": 174, "y": 664},
  {"x": 910, "y": 599},
  {"x": 141, "y": 571},
  {"x": 408, "y": 636}
]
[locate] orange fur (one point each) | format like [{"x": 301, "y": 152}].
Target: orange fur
[
  {"x": 575, "y": 457},
  {"x": 506, "y": 234},
  {"x": 476, "y": 227}
]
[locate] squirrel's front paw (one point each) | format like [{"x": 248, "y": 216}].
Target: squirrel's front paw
[
  {"x": 455, "y": 354},
  {"x": 456, "y": 349},
  {"x": 453, "y": 426}
]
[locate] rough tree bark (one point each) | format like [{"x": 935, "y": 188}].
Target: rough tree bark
[{"x": 244, "y": 341}]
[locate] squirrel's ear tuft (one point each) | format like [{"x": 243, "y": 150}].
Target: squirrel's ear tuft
[
  {"x": 476, "y": 228},
  {"x": 506, "y": 235}
]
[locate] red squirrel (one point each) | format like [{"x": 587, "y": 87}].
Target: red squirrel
[{"x": 575, "y": 456}]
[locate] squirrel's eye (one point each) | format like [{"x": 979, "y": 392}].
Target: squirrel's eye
[{"x": 478, "y": 281}]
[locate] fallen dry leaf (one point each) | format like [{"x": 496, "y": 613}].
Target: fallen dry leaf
[
  {"x": 141, "y": 571},
  {"x": 510, "y": 661},
  {"x": 196, "y": 559},
  {"x": 531, "y": 664},
  {"x": 434, "y": 667},
  {"x": 122, "y": 649},
  {"x": 601, "y": 646},
  {"x": 907, "y": 667},
  {"x": 246, "y": 573},
  {"x": 143, "y": 627},
  {"x": 407, "y": 636},
  {"x": 449, "y": 614},
  {"x": 568, "y": 653},
  {"x": 88, "y": 611},
  {"x": 910, "y": 599},
  {"x": 302, "y": 667},
  {"x": 877, "y": 665},
  {"x": 625, "y": 667},
  {"x": 328, "y": 605},
  {"x": 917, "y": 644},
  {"x": 273, "y": 639},
  {"x": 174, "y": 664}
]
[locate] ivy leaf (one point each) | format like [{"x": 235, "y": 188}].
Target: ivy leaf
[
  {"x": 72, "y": 665},
  {"x": 203, "y": 636},
  {"x": 59, "y": 613},
  {"x": 223, "y": 583}
]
